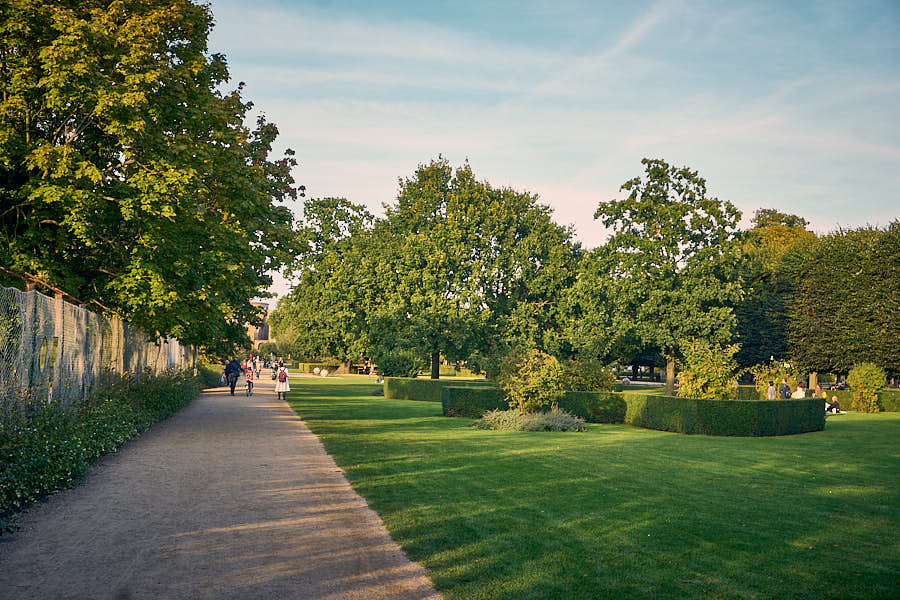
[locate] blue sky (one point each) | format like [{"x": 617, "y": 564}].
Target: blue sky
[{"x": 790, "y": 105}]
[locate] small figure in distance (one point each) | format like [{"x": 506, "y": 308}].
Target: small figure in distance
[
  {"x": 834, "y": 406},
  {"x": 282, "y": 386},
  {"x": 799, "y": 393},
  {"x": 771, "y": 393},
  {"x": 784, "y": 390}
]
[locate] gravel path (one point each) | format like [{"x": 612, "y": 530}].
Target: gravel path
[{"x": 233, "y": 497}]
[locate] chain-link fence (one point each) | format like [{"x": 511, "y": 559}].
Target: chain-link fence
[{"x": 51, "y": 348}]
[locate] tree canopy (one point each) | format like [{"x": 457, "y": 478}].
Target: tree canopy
[
  {"x": 672, "y": 249},
  {"x": 128, "y": 178}
]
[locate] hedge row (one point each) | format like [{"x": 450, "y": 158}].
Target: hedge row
[
  {"x": 472, "y": 402},
  {"x": 310, "y": 367},
  {"x": 46, "y": 447},
  {"x": 888, "y": 400},
  {"x": 725, "y": 417},
  {"x": 428, "y": 390}
]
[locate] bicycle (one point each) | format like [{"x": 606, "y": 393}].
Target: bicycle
[{"x": 249, "y": 387}]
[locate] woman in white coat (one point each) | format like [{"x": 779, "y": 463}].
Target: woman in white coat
[{"x": 282, "y": 387}]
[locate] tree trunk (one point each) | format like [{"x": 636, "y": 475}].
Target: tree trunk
[
  {"x": 634, "y": 372},
  {"x": 670, "y": 376},
  {"x": 813, "y": 380},
  {"x": 435, "y": 365}
]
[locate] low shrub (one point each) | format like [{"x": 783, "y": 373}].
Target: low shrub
[
  {"x": 397, "y": 362},
  {"x": 471, "y": 401},
  {"x": 595, "y": 407},
  {"x": 210, "y": 374},
  {"x": 866, "y": 380},
  {"x": 775, "y": 371},
  {"x": 46, "y": 447},
  {"x": 537, "y": 381},
  {"x": 554, "y": 419},
  {"x": 724, "y": 417},
  {"x": 709, "y": 371},
  {"x": 424, "y": 389}
]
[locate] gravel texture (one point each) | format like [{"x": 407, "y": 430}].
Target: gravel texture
[{"x": 233, "y": 497}]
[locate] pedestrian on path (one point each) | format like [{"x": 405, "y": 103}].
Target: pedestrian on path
[
  {"x": 282, "y": 387},
  {"x": 232, "y": 370}
]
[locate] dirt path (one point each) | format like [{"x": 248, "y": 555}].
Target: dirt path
[{"x": 231, "y": 498}]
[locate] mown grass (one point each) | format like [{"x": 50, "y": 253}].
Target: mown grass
[{"x": 621, "y": 512}]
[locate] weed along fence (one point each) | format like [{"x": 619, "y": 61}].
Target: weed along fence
[{"x": 52, "y": 348}]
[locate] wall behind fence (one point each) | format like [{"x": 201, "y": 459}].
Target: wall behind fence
[{"x": 50, "y": 343}]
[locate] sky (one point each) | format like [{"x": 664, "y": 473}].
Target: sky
[{"x": 786, "y": 105}]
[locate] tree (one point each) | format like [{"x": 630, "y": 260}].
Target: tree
[
  {"x": 325, "y": 314},
  {"x": 709, "y": 371},
  {"x": 844, "y": 300},
  {"x": 470, "y": 267},
  {"x": 673, "y": 252},
  {"x": 762, "y": 315},
  {"x": 128, "y": 179}
]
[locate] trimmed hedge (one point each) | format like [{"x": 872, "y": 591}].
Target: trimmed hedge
[
  {"x": 595, "y": 407},
  {"x": 47, "y": 447},
  {"x": 471, "y": 401},
  {"x": 725, "y": 417},
  {"x": 310, "y": 367},
  {"x": 427, "y": 390},
  {"x": 888, "y": 400}
]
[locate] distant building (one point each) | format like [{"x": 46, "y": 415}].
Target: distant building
[{"x": 259, "y": 335}]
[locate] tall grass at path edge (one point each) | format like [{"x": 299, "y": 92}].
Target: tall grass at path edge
[{"x": 620, "y": 512}]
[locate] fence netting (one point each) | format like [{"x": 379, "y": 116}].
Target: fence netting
[{"x": 53, "y": 349}]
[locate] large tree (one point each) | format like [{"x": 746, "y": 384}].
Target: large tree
[
  {"x": 762, "y": 314},
  {"x": 672, "y": 251},
  {"x": 471, "y": 267},
  {"x": 126, "y": 177},
  {"x": 325, "y": 314},
  {"x": 844, "y": 300}
]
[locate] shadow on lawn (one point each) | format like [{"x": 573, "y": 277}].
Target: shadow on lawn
[{"x": 620, "y": 511}]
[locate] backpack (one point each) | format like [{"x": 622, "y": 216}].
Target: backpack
[{"x": 282, "y": 376}]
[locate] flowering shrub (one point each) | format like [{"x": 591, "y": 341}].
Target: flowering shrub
[
  {"x": 866, "y": 380},
  {"x": 709, "y": 372}
]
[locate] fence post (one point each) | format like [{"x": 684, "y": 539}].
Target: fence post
[{"x": 26, "y": 340}]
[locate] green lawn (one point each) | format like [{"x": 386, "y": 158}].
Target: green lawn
[{"x": 621, "y": 512}]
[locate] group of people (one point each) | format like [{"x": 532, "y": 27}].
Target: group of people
[
  {"x": 784, "y": 392},
  {"x": 249, "y": 369}
]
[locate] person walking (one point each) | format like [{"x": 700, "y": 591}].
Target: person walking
[
  {"x": 248, "y": 375},
  {"x": 770, "y": 391},
  {"x": 232, "y": 370},
  {"x": 282, "y": 386}
]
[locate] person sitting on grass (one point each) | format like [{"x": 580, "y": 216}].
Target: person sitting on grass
[
  {"x": 770, "y": 391},
  {"x": 834, "y": 406},
  {"x": 799, "y": 393}
]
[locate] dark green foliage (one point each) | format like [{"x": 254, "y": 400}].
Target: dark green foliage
[
  {"x": 595, "y": 407},
  {"x": 471, "y": 402},
  {"x": 427, "y": 390},
  {"x": 725, "y": 417},
  {"x": 397, "y": 362},
  {"x": 47, "y": 447},
  {"x": 844, "y": 305}
]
